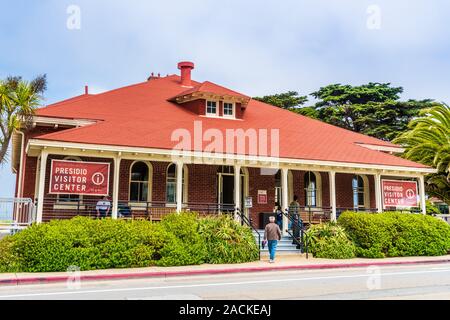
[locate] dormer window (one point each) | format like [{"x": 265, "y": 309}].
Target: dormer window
[
  {"x": 228, "y": 109},
  {"x": 211, "y": 108}
]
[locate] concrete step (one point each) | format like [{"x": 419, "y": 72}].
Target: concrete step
[{"x": 297, "y": 253}]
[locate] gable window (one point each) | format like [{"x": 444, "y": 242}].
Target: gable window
[
  {"x": 228, "y": 109},
  {"x": 139, "y": 178},
  {"x": 211, "y": 108}
]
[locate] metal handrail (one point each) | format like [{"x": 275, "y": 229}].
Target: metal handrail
[
  {"x": 246, "y": 220},
  {"x": 303, "y": 243}
]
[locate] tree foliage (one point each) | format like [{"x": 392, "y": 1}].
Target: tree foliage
[
  {"x": 428, "y": 141},
  {"x": 290, "y": 100},
  {"x": 18, "y": 100},
  {"x": 373, "y": 109}
]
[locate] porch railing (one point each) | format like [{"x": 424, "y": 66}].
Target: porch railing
[
  {"x": 298, "y": 226},
  {"x": 54, "y": 208},
  {"x": 314, "y": 215},
  {"x": 16, "y": 213}
]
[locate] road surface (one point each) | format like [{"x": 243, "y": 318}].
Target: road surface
[{"x": 430, "y": 281}]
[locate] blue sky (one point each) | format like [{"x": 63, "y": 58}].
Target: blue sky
[{"x": 255, "y": 47}]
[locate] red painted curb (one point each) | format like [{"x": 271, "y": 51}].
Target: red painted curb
[{"x": 153, "y": 274}]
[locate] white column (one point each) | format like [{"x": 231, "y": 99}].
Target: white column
[
  {"x": 422, "y": 194},
  {"x": 378, "y": 192},
  {"x": 41, "y": 191},
  {"x": 179, "y": 192},
  {"x": 115, "y": 195},
  {"x": 237, "y": 186},
  {"x": 332, "y": 178},
  {"x": 284, "y": 197}
]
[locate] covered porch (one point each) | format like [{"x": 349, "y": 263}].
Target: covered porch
[{"x": 149, "y": 184}]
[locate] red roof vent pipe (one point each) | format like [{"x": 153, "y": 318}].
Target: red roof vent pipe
[{"x": 186, "y": 67}]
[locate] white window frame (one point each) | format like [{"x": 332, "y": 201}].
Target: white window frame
[
  {"x": 233, "y": 110},
  {"x": 317, "y": 191},
  {"x": 185, "y": 185},
  {"x": 149, "y": 185},
  {"x": 208, "y": 114},
  {"x": 366, "y": 192}
]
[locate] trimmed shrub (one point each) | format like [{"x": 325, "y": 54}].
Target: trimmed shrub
[
  {"x": 89, "y": 244},
  {"x": 180, "y": 239},
  {"x": 227, "y": 241},
  {"x": 393, "y": 234},
  {"x": 187, "y": 246},
  {"x": 9, "y": 261},
  {"x": 328, "y": 240}
]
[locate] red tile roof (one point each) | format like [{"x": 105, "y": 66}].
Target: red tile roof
[{"x": 140, "y": 115}]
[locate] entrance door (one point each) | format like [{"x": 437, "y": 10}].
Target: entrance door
[{"x": 226, "y": 189}]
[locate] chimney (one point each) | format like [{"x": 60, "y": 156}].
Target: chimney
[
  {"x": 86, "y": 90},
  {"x": 186, "y": 67}
]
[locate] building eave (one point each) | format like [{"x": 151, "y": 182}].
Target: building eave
[{"x": 210, "y": 158}]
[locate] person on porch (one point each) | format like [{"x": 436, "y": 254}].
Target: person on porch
[
  {"x": 294, "y": 208},
  {"x": 103, "y": 207},
  {"x": 272, "y": 234},
  {"x": 279, "y": 214}
]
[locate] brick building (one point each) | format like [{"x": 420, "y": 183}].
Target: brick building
[{"x": 176, "y": 144}]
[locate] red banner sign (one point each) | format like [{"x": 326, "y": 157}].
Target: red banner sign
[
  {"x": 397, "y": 193},
  {"x": 78, "y": 177}
]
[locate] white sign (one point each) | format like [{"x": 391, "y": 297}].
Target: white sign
[{"x": 248, "y": 202}]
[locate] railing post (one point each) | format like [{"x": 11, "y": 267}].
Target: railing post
[
  {"x": 332, "y": 179},
  {"x": 41, "y": 191},
  {"x": 115, "y": 195},
  {"x": 378, "y": 193},
  {"x": 284, "y": 197},
  {"x": 422, "y": 195},
  {"x": 179, "y": 186}
]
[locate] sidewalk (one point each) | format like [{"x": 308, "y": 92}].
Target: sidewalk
[{"x": 282, "y": 263}]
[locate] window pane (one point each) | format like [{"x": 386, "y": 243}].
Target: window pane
[
  {"x": 170, "y": 197},
  {"x": 68, "y": 197},
  {"x": 139, "y": 172},
  {"x": 211, "y": 107},
  {"x": 134, "y": 191},
  {"x": 171, "y": 171},
  {"x": 355, "y": 200},
  {"x": 228, "y": 109},
  {"x": 143, "y": 191},
  {"x": 361, "y": 198}
]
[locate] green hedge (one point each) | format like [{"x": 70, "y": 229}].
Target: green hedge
[
  {"x": 393, "y": 234},
  {"x": 227, "y": 241},
  {"x": 180, "y": 239},
  {"x": 330, "y": 241}
]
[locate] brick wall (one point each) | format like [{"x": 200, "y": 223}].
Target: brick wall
[{"x": 260, "y": 182}]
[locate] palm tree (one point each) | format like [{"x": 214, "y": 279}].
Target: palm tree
[
  {"x": 428, "y": 141},
  {"x": 18, "y": 100}
]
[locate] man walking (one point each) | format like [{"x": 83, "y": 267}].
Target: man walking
[{"x": 272, "y": 234}]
